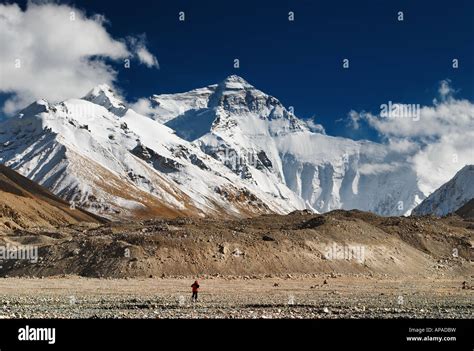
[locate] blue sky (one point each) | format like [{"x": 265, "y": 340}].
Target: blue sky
[{"x": 300, "y": 62}]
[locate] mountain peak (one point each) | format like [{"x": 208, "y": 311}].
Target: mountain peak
[
  {"x": 235, "y": 82},
  {"x": 103, "y": 95},
  {"x": 235, "y": 78},
  {"x": 39, "y": 106},
  {"x": 100, "y": 90}
]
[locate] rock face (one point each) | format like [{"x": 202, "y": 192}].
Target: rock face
[
  {"x": 451, "y": 196},
  {"x": 24, "y": 204}
]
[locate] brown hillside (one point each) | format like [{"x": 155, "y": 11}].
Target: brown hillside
[
  {"x": 25, "y": 204},
  {"x": 266, "y": 245}
]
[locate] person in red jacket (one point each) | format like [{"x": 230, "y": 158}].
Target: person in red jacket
[{"x": 195, "y": 288}]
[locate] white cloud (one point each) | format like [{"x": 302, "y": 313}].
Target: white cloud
[
  {"x": 138, "y": 46},
  {"x": 438, "y": 143},
  {"x": 434, "y": 121},
  {"x": 438, "y": 161},
  {"x": 405, "y": 146},
  {"x": 143, "y": 107},
  {"x": 315, "y": 127},
  {"x": 445, "y": 90},
  {"x": 146, "y": 57},
  {"x": 56, "y": 52},
  {"x": 354, "y": 119},
  {"x": 377, "y": 168}
]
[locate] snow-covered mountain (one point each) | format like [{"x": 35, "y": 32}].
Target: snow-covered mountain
[
  {"x": 225, "y": 149},
  {"x": 266, "y": 145},
  {"x": 108, "y": 159},
  {"x": 451, "y": 196}
]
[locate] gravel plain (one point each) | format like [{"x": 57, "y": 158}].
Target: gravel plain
[{"x": 331, "y": 296}]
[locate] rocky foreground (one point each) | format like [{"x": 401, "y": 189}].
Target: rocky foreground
[
  {"x": 343, "y": 264},
  {"x": 302, "y": 297}
]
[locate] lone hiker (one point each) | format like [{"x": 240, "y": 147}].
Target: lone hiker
[{"x": 195, "y": 287}]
